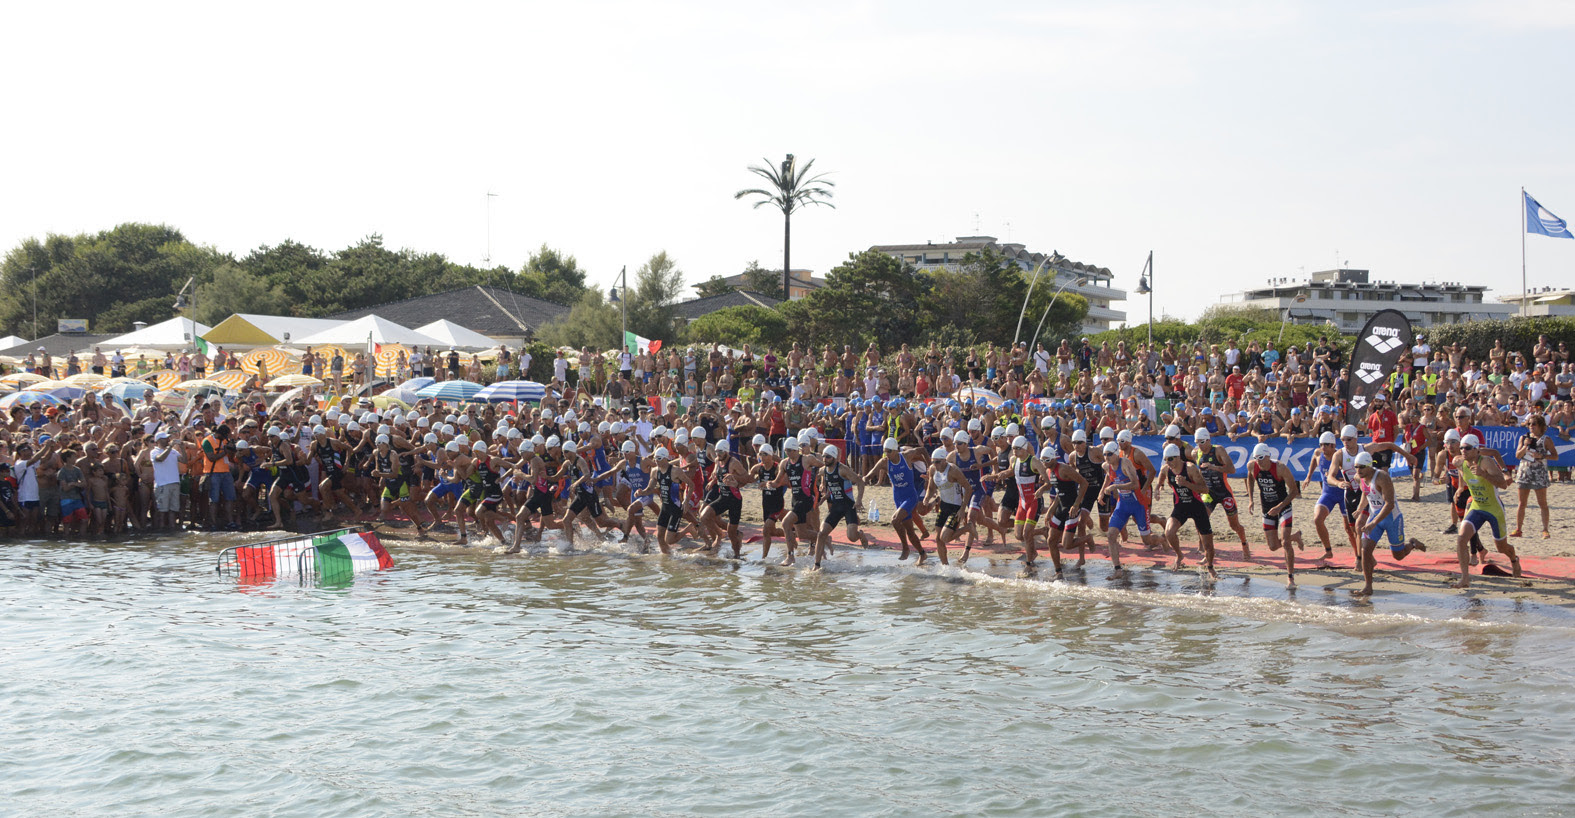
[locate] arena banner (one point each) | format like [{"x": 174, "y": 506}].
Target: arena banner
[
  {"x": 1380, "y": 347},
  {"x": 1299, "y": 454}
]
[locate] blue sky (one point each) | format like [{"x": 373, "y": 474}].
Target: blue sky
[{"x": 1237, "y": 140}]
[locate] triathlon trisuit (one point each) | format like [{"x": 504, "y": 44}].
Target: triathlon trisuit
[
  {"x": 1272, "y": 491},
  {"x": 802, "y": 481},
  {"x": 950, "y": 495},
  {"x": 1024, "y": 482},
  {"x": 1128, "y": 507},
  {"x": 671, "y": 491},
  {"x": 839, "y": 504},
  {"x": 1393, "y": 525},
  {"x": 1332, "y": 496},
  {"x": 1485, "y": 508},
  {"x": 1094, "y": 472},
  {"x": 904, "y": 486},
  {"x": 971, "y": 473},
  {"x": 1219, "y": 487},
  {"x": 1066, "y": 514},
  {"x": 1187, "y": 505},
  {"x": 1003, "y": 462}
]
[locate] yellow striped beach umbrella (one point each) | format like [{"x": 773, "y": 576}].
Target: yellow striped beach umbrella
[
  {"x": 230, "y": 379},
  {"x": 388, "y": 359},
  {"x": 163, "y": 379}
]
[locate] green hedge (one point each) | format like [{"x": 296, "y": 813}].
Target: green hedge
[{"x": 1519, "y": 335}]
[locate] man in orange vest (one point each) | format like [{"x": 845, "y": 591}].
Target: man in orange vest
[{"x": 217, "y": 457}]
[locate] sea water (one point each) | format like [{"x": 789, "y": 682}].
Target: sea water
[{"x": 135, "y": 680}]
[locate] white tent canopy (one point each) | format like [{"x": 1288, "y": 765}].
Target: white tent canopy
[
  {"x": 11, "y": 341},
  {"x": 454, "y": 335},
  {"x": 177, "y": 333},
  {"x": 379, "y": 330}
]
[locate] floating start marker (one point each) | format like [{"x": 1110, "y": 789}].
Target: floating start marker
[{"x": 333, "y": 555}]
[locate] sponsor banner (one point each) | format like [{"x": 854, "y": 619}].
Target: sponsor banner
[
  {"x": 1381, "y": 346},
  {"x": 1300, "y": 454}
]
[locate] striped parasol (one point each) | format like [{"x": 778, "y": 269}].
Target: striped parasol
[
  {"x": 172, "y": 401},
  {"x": 86, "y": 379},
  {"x": 450, "y": 391},
  {"x": 325, "y": 355},
  {"x": 163, "y": 379},
  {"x": 277, "y": 361},
  {"x": 512, "y": 392},
  {"x": 23, "y": 377},
  {"x": 289, "y": 381},
  {"x": 230, "y": 379},
  {"x": 197, "y": 383},
  {"x": 388, "y": 359}
]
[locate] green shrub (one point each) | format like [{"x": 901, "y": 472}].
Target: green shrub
[{"x": 1518, "y": 334}]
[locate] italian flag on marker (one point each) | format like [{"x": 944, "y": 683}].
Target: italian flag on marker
[
  {"x": 340, "y": 553},
  {"x": 353, "y": 552}
]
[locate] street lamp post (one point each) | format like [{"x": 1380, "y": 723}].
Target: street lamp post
[
  {"x": 614, "y": 295},
  {"x": 1061, "y": 289},
  {"x": 1286, "y": 316},
  {"x": 1146, "y": 287}
]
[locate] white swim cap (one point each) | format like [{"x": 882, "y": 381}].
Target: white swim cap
[
  {"x": 1328, "y": 439},
  {"x": 1470, "y": 441},
  {"x": 382, "y": 439},
  {"x": 1019, "y": 442},
  {"x": 758, "y": 441},
  {"x": 603, "y": 428},
  {"x": 554, "y": 442},
  {"x": 975, "y": 425},
  {"x": 829, "y": 451},
  {"x": 698, "y": 431},
  {"x": 570, "y": 447},
  {"x": 1125, "y": 436},
  {"x": 1080, "y": 436},
  {"x": 1013, "y": 430},
  {"x": 1348, "y": 431},
  {"x": 352, "y": 426},
  {"x": 938, "y": 454},
  {"x": 479, "y": 446},
  {"x": 765, "y": 449},
  {"x": 1262, "y": 450},
  {"x": 1200, "y": 436},
  {"x": 628, "y": 447},
  {"x": 682, "y": 439},
  {"x": 1047, "y": 422},
  {"x": 243, "y": 444},
  {"x": 997, "y": 433},
  {"x": 1047, "y": 453},
  {"x": 430, "y": 438},
  {"x": 1107, "y": 433},
  {"x": 1112, "y": 448},
  {"x": 1452, "y": 434},
  {"x": 790, "y": 444},
  {"x": 1364, "y": 459},
  {"x": 453, "y": 446},
  {"x": 1172, "y": 450},
  {"x": 662, "y": 453},
  {"x": 1172, "y": 430}
]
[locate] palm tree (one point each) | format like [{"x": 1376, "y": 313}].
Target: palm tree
[{"x": 791, "y": 187}]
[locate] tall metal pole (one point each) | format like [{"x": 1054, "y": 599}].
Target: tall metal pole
[
  {"x": 1151, "y": 301},
  {"x": 623, "y": 301},
  {"x": 34, "y": 275},
  {"x": 1525, "y": 308}
]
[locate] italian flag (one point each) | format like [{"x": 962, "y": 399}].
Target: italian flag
[
  {"x": 635, "y": 344},
  {"x": 349, "y": 553},
  {"x": 340, "y": 553}
]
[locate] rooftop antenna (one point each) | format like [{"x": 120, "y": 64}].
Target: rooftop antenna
[
  {"x": 976, "y": 224},
  {"x": 1008, "y": 232},
  {"x": 487, "y": 259}
]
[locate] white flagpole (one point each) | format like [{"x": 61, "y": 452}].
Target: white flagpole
[{"x": 1525, "y": 309}]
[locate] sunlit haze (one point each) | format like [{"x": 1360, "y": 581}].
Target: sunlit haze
[{"x": 1236, "y": 140}]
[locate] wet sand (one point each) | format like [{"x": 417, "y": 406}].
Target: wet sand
[{"x": 1548, "y": 564}]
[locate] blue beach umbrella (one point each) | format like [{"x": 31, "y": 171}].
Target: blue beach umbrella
[
  {"x": 417, "y": 384},
  {"x": 512, "y": 392},
  {"x": 28, "y": 397},
  {"x": 128, "y": 391},
  {"x": 449, "y": 391}
]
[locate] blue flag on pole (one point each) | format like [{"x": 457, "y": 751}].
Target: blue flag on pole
[{"x": 1539, "y": 220}]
